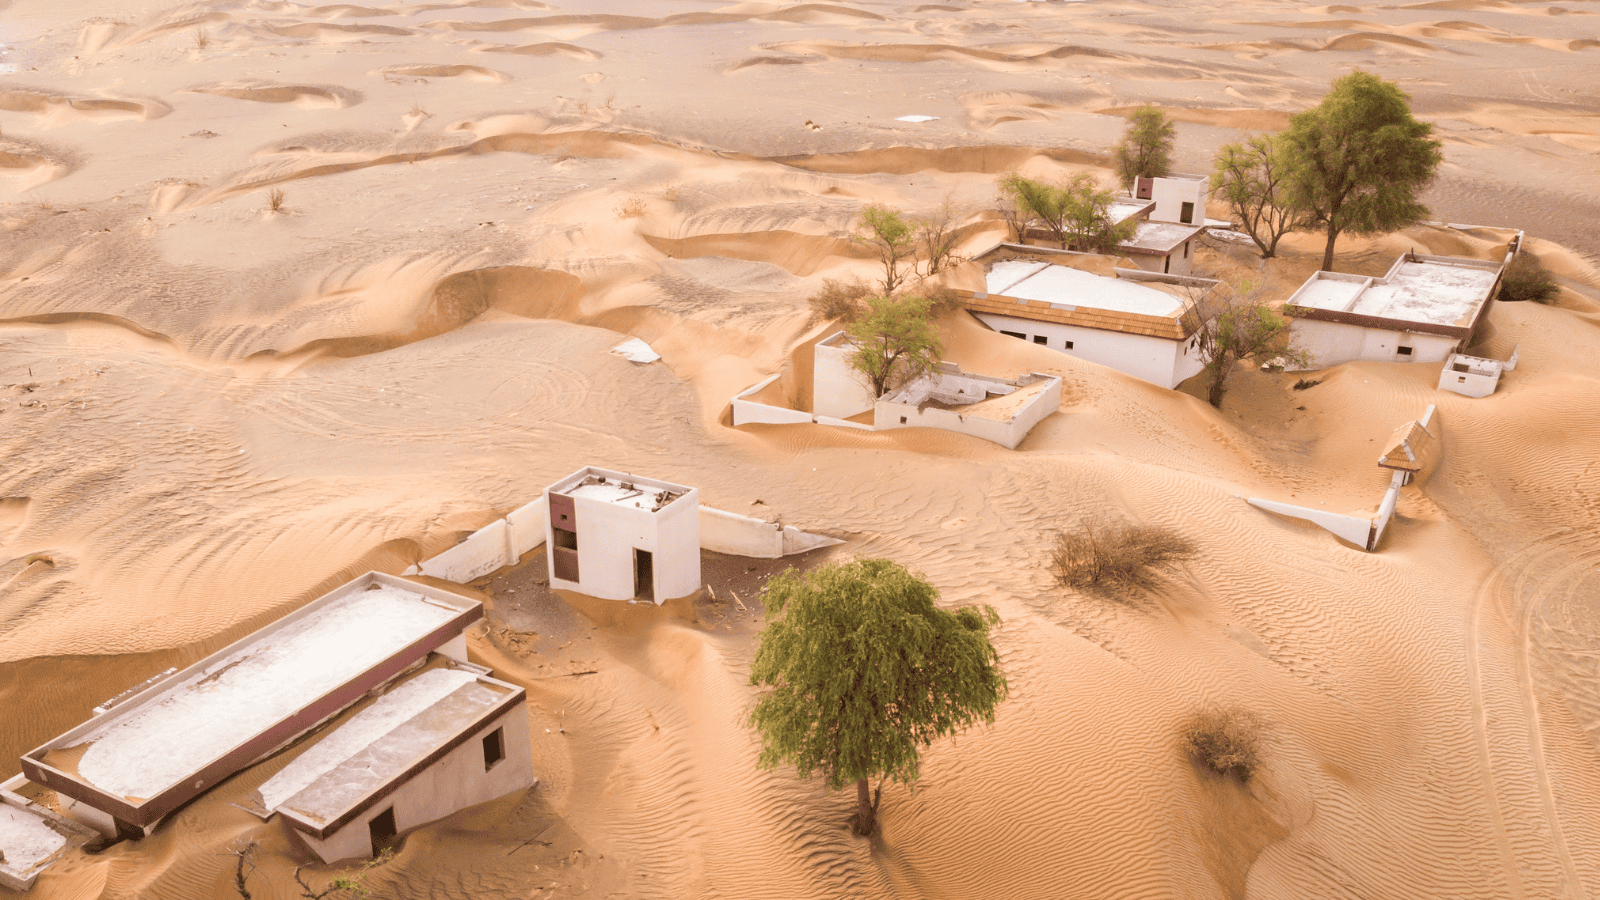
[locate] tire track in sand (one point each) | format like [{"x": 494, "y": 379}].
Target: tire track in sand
[{"x": 1517, "y": 589}]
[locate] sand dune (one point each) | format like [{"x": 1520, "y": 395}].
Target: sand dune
[{"x": 212, "y": 411}]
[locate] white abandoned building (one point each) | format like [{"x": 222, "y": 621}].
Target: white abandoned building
[
  {"x": 1425, "y": 309},
  {"x": 430, "y": 733},
  {"x": 621, "y": 537},
  {"x": 1137, "y": 322},
  {"x": 1473, "y": 376},
  {"x": 1171, "y": 214}
]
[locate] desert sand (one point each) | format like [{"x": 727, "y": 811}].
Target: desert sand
[{"x": 212, "y": 410}]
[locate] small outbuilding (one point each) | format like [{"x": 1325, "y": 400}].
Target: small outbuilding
[
  {"x": 1471, "y": 376},
  {"x": 622, "y": 537}
]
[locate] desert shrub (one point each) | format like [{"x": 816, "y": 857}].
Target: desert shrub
[
  {"x": 1305, "y": 383},
  {"x": 632, "y": 208},
  {"x": 1527, "y": 279},
  {"x": 1118, "y": 553},
  {"x": 275, "y": 199},
  {"x": 1227, "y": 740},
  {"x": 840, "y": 299},
  {"x": 941, "y": 300}
]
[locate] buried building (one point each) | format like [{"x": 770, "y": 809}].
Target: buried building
[
  {"x": 1137, "y": 322},
  {"x": 621, "y": 537},
  {"x": 393, "y": 650},
  {"x": 1425, "y": 309}
]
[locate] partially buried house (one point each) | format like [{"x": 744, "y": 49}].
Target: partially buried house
[
  {"x": 1138, "y": 322},
  {"x": 617, "y": 536},
  {"x": 425, "y": 732},
  {"x": 1425, "y": 309}
]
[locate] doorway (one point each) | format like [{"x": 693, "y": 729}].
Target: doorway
[
  {"x": 382, "y": 830},
  {"x": 644, "y": 579}
]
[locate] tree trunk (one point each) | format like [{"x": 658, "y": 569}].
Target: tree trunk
[
  {"x": 1327, "y": 255},
  {"x": 865, "y": 820},
  {"x": 1214, "y": 393}
]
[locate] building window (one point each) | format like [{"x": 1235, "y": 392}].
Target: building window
[
  {"x": 494, "y": 748},
  {"x": 1067, "y": 345},
  {"x": 902, "y": 420},
  {"x": 1404, "y": 351},
  {"x": 1461, "y": 379},
  {"x": 1185, "y": 249},
  {"x": 1041, "y": 339},
  {"x": 1187, "y": 215},
  {"x": 566, "y": 540},
  {"x": 1015, "y": 334}
]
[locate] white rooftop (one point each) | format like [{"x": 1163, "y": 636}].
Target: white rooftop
[
  {"x": 1123, "y": 208},
  {"x": 201, "y": 718},
  {"x": 1159, "y": 236},
  {"x": 613, "y": 492},
  {"x": 1415, "y": 290},
  {"x": 26, "y": 839},
  {"x": 1066, "y": 288},
  {"x": 380, "y": 743}
]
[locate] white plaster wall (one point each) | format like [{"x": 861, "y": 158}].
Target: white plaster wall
[
  {"x": 1170, "y": 195},
  {"x": 736, "y": 535},
  {"x": 838, "y": 391},
  {"x": 747, "y": 412},
  {"x": 454, "y": 783},
  {"x": 887, "y": 416},
  {"x": 1351, "y": 528},
  {"x": 530, "y": 526},
  {"x": 485, "y": 550},
  {"x": 1466, "y": 383},
  {"x": 1156, "y": 360},
  {"x": 608, "y": 534},
  {"x": 1331, "y": 343}
]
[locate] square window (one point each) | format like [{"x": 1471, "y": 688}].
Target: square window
[
  {"x": 1461, "y": 379},
  {"x": 566, "y": 540},
  {"x": 1067, "y": 344},
  {"x": 1404, "y": 351},
  {"x": 902, "y": 420},
  {"x": 1041, "y": 339},
  {"x": 494, "y": 748}
]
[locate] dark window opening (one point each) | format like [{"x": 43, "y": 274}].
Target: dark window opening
[
  {"x": 1067, "y": 344},
  {"x": 902, "y": 420},
  {"x": 644, "y": 574},
  {"x": 1461, "y": 367},
  {"x": 1015, "y": 334},
  {"x": 1041, "y": 339},
  {"x": 1404, "y": 351},
  {"x": 1185, "y": 249},
  {"x": 566, "y": 540},
  {"x": 494, "y": 748},
  {"x": 1166, "y": 264},
  {"x": 1461, "y": 379},
  {"x": 1187, "y": 215},
  {"x": 382, "y": 830}
]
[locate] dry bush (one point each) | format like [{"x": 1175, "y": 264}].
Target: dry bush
[
  {"x": 202, "y": 38},
  {"x": 1527, "y": 279},
  {"x": 275, "y": 199},
  {"x": 1227, "y": 740},
  {"x": 632, "y": 208},
  {"x": 941, "y": 300},
  {"x": 671, "y": 194},
  {"x": 840, "y": 299},
  {"x": 1121, "y": 553}
]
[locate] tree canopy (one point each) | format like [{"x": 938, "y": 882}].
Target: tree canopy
[
  {"x": 893, "y": 239},
  {"x": 1237, "y": 326},
  {"x": 895, "y": 342},
  {"x": 1146, "y": 146},
  {"x": 861, "y": 670},
  {"x": 1249, "y": 177},
  {"x": 1076, "y": 213},
  {"x": 1358, "y": 160}
]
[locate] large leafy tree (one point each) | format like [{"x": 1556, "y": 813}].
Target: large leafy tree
[
  {"x": 1145, "y": 150},
  {"x": 861, "y": 670},
  {"x": 1249, "y": 177},
  {"x": 1077, "y": 213},
  {"x": 1358, "y": 160},
  {"x": 895, "y": 342}
]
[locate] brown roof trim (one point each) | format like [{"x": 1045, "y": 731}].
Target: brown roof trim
[
  {"x": 1347, "y": 318},
  {"x": 152, "y": 809},
  {"x": 1175, "y": 328},
  {"x": 322, "y": 831}
]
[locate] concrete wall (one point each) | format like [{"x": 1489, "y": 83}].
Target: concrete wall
[
  {"x": 454, "y": 783},
  {"x": 608, "y": 534},
  {"x": 529, "y": 527},
  {"x": 1155, "y": 360},
  {"x": 838, "y": 391},
  {"x": 1171, "y": 193},
  {"x": 1354, "y": 529},
  {"x": 747, "y": 411},
  {"x": 482, "y": 552},
  {"x": 1331, "y": 343},
  {"x": 736, "y": 535},
  {"x": 889, "y": 415}
]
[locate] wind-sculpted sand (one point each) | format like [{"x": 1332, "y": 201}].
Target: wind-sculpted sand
[{"x": 289, "y": 292}]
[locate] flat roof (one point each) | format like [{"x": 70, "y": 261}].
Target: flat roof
[
  {"x": 1424, "y": 290},
  {"x": 394, "y": 737},
  {"x": 619, "y": 488},
  {"x": 200, "y": 725},
  {"x": 28, "y": 840},
  {"x": 1124, "y": 208},
  {"x": 1159, "y": 237},
  {"x": 1069, "y": 289}
]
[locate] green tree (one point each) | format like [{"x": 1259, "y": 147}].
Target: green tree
[
  {"x": 895, "y": 342},
  {"x": 1077, "y": 213},
  {"x": 1146, "y": 146},
  {"x": 1358, "y": 160},
  {"x": 1249, "y": 177},
  {"x": 1527, "y": 279},
  {"x": 893, "y": 240},
  {"x": 861, "y": 670},
  {"x": 1236, "y": 327}
]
